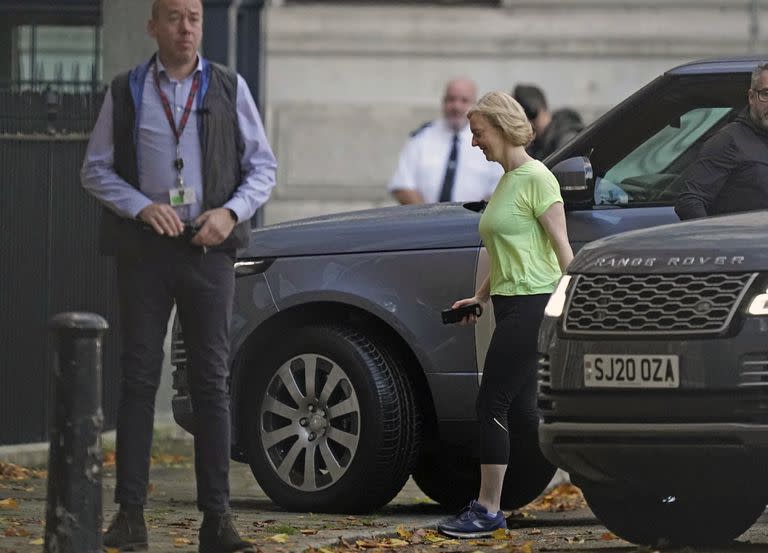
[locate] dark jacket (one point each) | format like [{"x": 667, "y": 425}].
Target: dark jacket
[
  {"x": 565, "y": 124},
  {"x": 730, "y": 174},
  {"x": 220, "y": 141}
]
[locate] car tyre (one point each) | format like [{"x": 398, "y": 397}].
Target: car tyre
[
  {"x": 447, "y": 475},
  {"x": 450, "y": 475},
  {"x": 330, "y": 428},
  {"x": 660, "y": 520},
  {"x": 411, "y": 411}
]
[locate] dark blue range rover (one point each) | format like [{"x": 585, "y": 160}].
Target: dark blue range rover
[{"x": 654, "y": 379}]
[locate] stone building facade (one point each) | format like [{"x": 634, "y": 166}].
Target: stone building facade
[{"x": 346, "y": 81}]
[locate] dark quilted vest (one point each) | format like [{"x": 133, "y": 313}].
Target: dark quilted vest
[{"x": 221, "y": 144}]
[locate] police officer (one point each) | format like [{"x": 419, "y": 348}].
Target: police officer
[{"x": 438, "y": 163}]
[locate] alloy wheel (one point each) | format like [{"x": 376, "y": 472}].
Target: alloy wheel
[{"x": 310, "y": 422}]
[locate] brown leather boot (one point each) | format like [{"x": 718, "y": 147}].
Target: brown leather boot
[
  {"x": 218, "y": 535},
  {"x": 127, "y": 532}
]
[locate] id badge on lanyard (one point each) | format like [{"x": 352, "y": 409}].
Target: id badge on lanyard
[{"x": 179, "y": 195}]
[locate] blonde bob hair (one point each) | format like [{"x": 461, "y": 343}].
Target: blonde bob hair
[{"x": 505, "y": 113}]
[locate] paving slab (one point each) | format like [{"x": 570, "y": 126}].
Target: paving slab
[{"x": 173, "y": 519}]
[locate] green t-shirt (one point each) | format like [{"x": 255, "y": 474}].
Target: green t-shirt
[{"x": 523, "y": 261}]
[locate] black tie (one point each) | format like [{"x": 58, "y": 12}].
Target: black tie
[{"x": 450, "y": 171}]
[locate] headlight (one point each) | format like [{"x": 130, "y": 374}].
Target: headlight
[
  {"x": 759, "y": 305},
  {"x": 556, "y": 301}
]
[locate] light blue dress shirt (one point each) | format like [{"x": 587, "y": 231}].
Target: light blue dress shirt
[{"x": 156, "y": 152}]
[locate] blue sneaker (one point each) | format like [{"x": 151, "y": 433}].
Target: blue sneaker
[{"x": 473, "y": 522}]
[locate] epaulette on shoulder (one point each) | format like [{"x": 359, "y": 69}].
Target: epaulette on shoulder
[{"x": 415, "y": 132}]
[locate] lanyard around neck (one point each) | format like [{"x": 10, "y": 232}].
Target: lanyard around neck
[{"x": 177, "y": 132}]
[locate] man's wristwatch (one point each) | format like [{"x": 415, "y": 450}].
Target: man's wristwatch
[{"x": 232, "y": 214}]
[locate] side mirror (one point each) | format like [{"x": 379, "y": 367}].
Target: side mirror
[
  {"x": 577, "y": 181},
  {"x": 477, "y": 207}
]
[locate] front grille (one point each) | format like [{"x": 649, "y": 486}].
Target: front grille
[
  {"x": 653, "y": 304},
  {"x": 753, "y": 372},
  {"x": 545, "y": 374},
  {"x": 545, "y": 383}
]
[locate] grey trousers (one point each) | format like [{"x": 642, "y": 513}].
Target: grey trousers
[{"x": 202, "y": 286}]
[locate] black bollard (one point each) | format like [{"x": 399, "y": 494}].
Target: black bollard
[{"x": 73, "y": 513}]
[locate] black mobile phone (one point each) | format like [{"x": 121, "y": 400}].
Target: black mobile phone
[
  {"x": 190, "y": 229},
  {"x": 451, "y": 316}
]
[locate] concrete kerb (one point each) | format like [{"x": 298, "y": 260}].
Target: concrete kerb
[{"x": 35, "y": 455}]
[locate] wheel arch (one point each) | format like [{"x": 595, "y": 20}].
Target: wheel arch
[{"x": 319, "y": 313}]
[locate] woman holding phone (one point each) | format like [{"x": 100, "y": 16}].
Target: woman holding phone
[{"x": 523, "y": 228}]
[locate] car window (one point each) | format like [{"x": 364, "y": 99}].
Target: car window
[
  {"x": 644, "y": 174},
  {"x": 640, "y": 148},
  {"x": 658, "y": 152}
]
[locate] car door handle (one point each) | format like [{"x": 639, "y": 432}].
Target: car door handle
[{"x": 245, "y": 267}]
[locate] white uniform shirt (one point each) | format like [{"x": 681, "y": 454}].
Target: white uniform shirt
[{"x": 423, "y": 161}]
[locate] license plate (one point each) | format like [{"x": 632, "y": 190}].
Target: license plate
[{"x": 631, "y": 371}]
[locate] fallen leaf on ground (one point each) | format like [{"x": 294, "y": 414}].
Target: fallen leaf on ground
[
  {"x": 9, "y": 471},
  {"x": 608, "y": 536},
  {"x": 417, "y": 537},
  {"x": 278, "y": 538},
  {"x": 308, "y": 532},
  {"x": 109, "y": 458},
  {"x": 499, "y": 534},
  {"x": 15, "y": 532},
  {"x": 181, "y": 542},
  {"x": 565, "y": 497},
  {"x": 262, "y": 523},
  {"x": 167, "y": 459},
  {"x": 527, "y": 547},
  {"x": 433, "y": 537},
  {"x": 38, "y": 541},
  {"x": 403, "y": 533},
  {"x": 385, "y": 543},
  {"x": 9, "y": 504}
]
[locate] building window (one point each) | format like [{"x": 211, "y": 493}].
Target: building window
[{"x": 68, "y": 56}]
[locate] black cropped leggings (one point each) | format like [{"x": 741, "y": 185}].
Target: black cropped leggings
[{"x": 506, "y": 404}]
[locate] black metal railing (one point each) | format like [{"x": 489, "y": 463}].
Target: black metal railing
[
  {"x": 50, "y": 263},
  {"x": 49, "y": 107}
]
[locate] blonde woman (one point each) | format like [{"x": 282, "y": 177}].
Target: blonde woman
[{"x": 523, "y": 228}]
